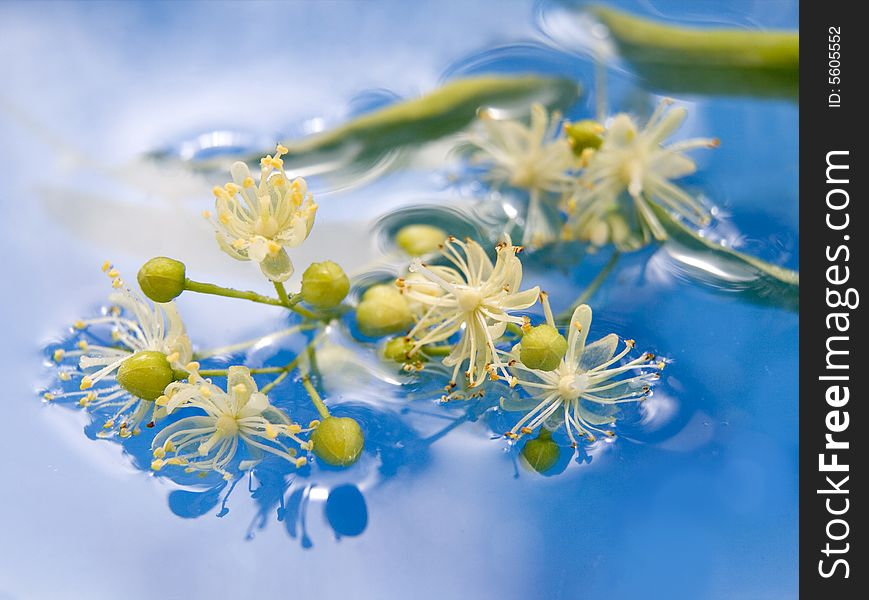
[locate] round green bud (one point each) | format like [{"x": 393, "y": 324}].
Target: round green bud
[
  {"x": 324, "y": 284},
  {"x": 418, "y": 240},
  {"x": 162, "y": 279},
  {"x": 397, "y": 349},
  {"x": 146, "y": 374},
  {"x": 383, "y": 310},
  {"x": 338, "y": 441},
  {"x": 584, "y": 134},
  {"x": 541, "y": 453},
  {"x": 542, "y": 348}
]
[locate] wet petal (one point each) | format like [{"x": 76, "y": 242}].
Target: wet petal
[
  {"x": 278, "y": 267},
  {"x": 598, "y": 352},
  {"x": 577, "y": 332}
]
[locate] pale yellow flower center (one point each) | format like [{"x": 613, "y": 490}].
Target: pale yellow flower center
[
  {"x": 266, "y": 226},
  {"x": 469, "y": 300},
  {"x": 571, "y": 386},
  {"x": 227, "y": 426}
]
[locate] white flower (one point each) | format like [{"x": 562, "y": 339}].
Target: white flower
[
  {"x": 583, "y": 391},
  {"x": 635, "y": 161},
  {"x": 135, "y": 325},
  {"x": 210, "y": 440},
  {"x": 473, "y": 297},
  {"x": 259, "y": 222},
  {"x": 534, "y": 158}
]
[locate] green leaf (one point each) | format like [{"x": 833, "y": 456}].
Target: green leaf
[
  {"x": 442, "y": 112},
  {"x": 730, "y": 270},
  {"x": 707, "y": 60}
]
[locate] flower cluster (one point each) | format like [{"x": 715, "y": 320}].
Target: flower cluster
[
  {"x": 604, "y": 178},
  {"x": 135, "y": 364},
  {"x": 465, "y": 308},
  {"x": 458, "y": 301}
]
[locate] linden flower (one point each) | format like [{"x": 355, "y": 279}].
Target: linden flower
[
  {"x": 534, "y": 158},
  {"x": 258, "y": 222},
  {"x": 473, "y": 297},
  {"x": 209, "y": 441},
  {"x": 583, "y": 391},
  {"x": 633, "y": 160},
  {"x": 151, "y": 335}
]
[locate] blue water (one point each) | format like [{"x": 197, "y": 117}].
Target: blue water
[{"x": 697, "y": 497}]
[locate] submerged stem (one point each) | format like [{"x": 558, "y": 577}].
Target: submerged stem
[
  {"x": 248, "y": 343},
  {"x": 254, "y": 371},
  {"x": 595, "y": 284},
  {"x": 315, "y": 396}
]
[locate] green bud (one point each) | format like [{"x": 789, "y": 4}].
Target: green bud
[
  {"x": 542, "y": 348},
  {"x": 146, "y": 374},
  {"x": 383, "y": 310},
  {"x": 418, "y": 240},
  {"x": 584, "y": 134},
  {"x": 397, "y": 349},
  {"x": 162, "y": 279},
  {"x": 541, "y": 453},
  {"x": 338, "y": 441},
  {"x": 324, "y": 284}
]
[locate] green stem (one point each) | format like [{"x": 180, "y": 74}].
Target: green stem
[
  {"x": 315, "y": 396},
  {"x": 282, "y": 292},
  {"x": 286, "y": 370},
  {"x": 217, "y": 290},
  {"x": 291, "y": 301},
  {"x": 595, "y": 284}
]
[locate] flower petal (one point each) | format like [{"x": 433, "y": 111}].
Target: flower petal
[
  {"x": 578, "y": 331},
  {"x": 598, "y": 352},
  {"x": 278, "y": 267}
]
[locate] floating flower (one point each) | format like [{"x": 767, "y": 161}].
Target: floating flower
[
  {"x": 473, "y": 297},
  {"x": 258, "y": 222},
  {"x": 210, "y": 441},
  {"x": 631, "y": 169},
  {"x": 583, "y": 391},
  {"x": 534, "y": 158},
  {"x": 149, "y": 344}
]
